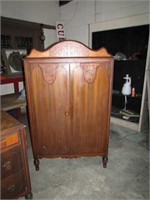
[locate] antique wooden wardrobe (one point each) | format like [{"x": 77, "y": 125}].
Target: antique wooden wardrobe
[{"x": 69, "y": 92}]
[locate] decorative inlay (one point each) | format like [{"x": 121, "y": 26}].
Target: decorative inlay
[
  {"x": 89, "y": 71},
  {"x": 49, "y": 71}
]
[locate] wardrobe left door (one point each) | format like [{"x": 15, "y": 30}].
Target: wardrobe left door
[{"x": 48, "y": 103}]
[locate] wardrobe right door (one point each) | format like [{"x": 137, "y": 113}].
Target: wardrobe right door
[{"x": 91, "y": 99}]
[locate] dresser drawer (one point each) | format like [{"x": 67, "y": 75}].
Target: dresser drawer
[
  {"x": 11, "y": 161},
  {"x": 13, "y": 185},
  {"x": 15, "y": 177},
  {"x": 9, "y": 140}
]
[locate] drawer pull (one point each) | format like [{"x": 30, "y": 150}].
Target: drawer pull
[
  {"x": 11, "y": 188},
  {"x": 44, "y": 147}
]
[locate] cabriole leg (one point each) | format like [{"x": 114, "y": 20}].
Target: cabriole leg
[
  {"x": 29, "y": 196},
  {"x": 36, "y": 163},
  {"x": 105, "y": 161}
]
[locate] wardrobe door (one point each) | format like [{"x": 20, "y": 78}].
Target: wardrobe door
[
  {"x": 48, "y": 97},
  {"x": 91, "y": 85}
]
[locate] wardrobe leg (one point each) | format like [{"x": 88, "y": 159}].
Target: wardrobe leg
[
  {"x": 29, "y": 196},
  {"x": 36, "y": 163},
  {"x": 105, "y": 161}
]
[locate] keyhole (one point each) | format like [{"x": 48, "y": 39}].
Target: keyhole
[{"x": 44, "y": 147}]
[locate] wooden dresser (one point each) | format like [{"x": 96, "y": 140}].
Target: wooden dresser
[
  {"x": 15, "y": 179},
  {"x": 69, "y": 91}
]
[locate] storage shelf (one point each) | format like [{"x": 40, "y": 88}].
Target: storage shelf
[
  {"x": 127, "y": 115},
  {"x": 118, "y": 93}
]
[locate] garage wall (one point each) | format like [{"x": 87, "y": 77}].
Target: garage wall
[
  {"x": 46, "y": 12},
  {"x": 78, "y": 14}
]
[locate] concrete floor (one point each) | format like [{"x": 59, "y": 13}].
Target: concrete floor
[{"x": 125, "y": 178}]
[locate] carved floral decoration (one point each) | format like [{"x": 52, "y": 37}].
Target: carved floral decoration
[
  {"x": 69, "y": 50},
  {"x": 89, "y": 71},
  {"x": 49, "y": 72}
]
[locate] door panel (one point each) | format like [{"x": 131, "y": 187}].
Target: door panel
[
  {"x": 49, "y": 106},
  {"x": 90, "y": 109}
]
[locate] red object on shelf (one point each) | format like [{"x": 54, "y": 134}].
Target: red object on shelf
[
  {"x": 133, "y": 92},
  {"x": 15, "y": 79}
]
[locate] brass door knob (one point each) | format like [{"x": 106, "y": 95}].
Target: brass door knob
[{"x": 67, "y": 113}]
